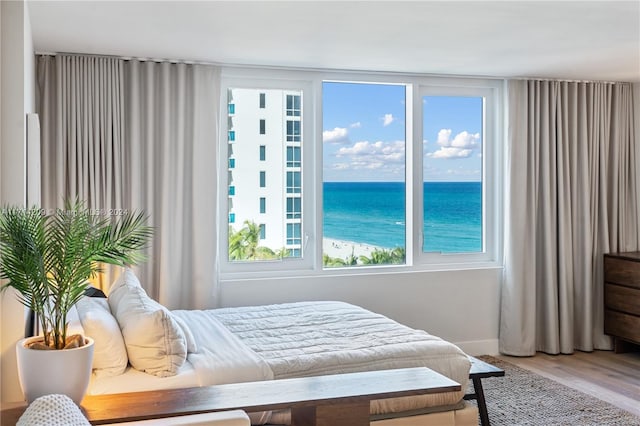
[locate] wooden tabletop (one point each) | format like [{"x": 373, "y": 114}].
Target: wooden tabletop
[{"x": 298, "y": 393}]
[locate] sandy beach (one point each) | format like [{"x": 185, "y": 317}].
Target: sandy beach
[{"x": 343, "y": 249}]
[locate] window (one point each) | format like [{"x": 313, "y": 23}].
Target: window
[
  {"x": 293, "y": 156},
  {"x": 293, "y": 131},
  {"x": 294, "y": 236},
  {"x": 293, "y": 105},
  {"x": 232, "y": 109},
  {"x": 364, "y": 174},
  {"x": 459, "y": 188},
  {"x": 294, "y": 207},
  {"x": 293, "y": 183},
  {"x": 232, "y": 136},
  {"x": 247, "y": 241},
  {"x": 409, "y": 171},
  {"x": 232, "y": 163},
  {"x": 452, "y": 177}
]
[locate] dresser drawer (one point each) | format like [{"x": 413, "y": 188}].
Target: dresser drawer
[
  {"x": 624, "y": 326},
  {"x": 624, "y": 299},
  {"x": 622, "y": 271}
]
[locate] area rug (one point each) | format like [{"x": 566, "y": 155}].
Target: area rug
[{"x": 523, "y": 398}]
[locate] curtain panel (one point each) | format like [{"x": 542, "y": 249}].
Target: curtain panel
[
  {"x": 130, "y": 135},
  {"x": 570, "y": 197},
  {"x": 82, "y": 135}
]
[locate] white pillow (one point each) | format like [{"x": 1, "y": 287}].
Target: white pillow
[
  {"x": 109, "y": 352},
  {"x": 155, "y": 342}
]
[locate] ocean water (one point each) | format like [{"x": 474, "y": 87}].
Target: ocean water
[{"x": 374, "y": 213}]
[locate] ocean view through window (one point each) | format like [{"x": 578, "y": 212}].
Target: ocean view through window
[
  {"x": 452, "y": 174},
  {"x": 364, "y": 151},
  {"x": 364, "y": 190},
  {"x": 326, "y": 174}
]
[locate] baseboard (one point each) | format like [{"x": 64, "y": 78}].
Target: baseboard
[{"x": 480, "y": 347}]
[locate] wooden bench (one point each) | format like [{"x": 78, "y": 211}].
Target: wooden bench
[
  {"x": 334, "y": 400},
  {"x": 480, "y": 370}
]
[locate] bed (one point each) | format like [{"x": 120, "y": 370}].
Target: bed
[{"x": 227, "y": 345}]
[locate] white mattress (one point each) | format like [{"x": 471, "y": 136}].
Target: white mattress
[
  {"x": 136, "y": 381},
  {"x": 297, "y": 340}
]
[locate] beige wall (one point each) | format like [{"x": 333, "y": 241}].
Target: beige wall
[{"x": 17, "y": 86}]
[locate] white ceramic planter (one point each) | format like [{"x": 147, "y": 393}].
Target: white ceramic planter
[{"x": 65, "y": 372}]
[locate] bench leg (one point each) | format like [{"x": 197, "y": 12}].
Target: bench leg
[{"x": 482, "y": 403}]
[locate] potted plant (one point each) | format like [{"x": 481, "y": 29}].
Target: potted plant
[{"x": 47, "y": 259}]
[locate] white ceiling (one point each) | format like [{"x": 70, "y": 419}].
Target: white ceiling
[{"x": 582, "y": 40}]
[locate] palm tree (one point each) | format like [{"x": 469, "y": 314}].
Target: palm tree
[
  {"x": 395, "y": 256},
  {"x": 332, "y": 262},
  {"x": 244, "y": 244},
  {"x": 48, "y": 259}
]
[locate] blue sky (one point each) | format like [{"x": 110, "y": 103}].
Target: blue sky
[{"x": 364, "y": 135}]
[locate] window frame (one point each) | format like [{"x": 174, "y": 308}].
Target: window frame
[
  {"x": 248, "y": 78},
  {"x": 491, "y": 174},
  {"x": 309, "y": 83}
]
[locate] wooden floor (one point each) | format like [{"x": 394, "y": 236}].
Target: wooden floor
[{"x": 611, "y": 377}]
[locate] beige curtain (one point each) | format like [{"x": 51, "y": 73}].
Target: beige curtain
[
  {"x": 82, "y": 135},
  {"x": 125, "y": 135},
  {"x": 81, "y": 130},
  {"x": 570, "y": 197},
  {"x": 172, "y": 124}
]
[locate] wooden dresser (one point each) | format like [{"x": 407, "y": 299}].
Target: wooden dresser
[{"x": 622, "y": 299}]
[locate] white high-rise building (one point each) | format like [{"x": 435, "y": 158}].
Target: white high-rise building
[{"x": 264, "y": 174}]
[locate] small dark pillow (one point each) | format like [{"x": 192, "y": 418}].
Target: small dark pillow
[{"x": 94, "y": 292}]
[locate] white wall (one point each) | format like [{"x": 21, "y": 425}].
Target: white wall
[
  {"x": 459, "y": 306},
  {"x": 17, "y": 86}
]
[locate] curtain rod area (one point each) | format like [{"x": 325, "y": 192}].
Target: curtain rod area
[
  {"x": 132, "y": 58},
  {"x": 272, "y": 67}
]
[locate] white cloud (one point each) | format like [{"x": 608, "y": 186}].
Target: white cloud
[
  {"x": 450, "y": 152},
  {"x": 462, "y": 140},
  {"x": 387, "y": 119},
  {"x": 355, "y": 125},
  {"x": 461, "y": 146},
  {"x": 365, "y": 155},
  {"x": 337, "y": 135}
]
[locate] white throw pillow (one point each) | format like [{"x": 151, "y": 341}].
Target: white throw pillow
[
  {"x": 155, "y": 342},
  {"x": 109, "y": 352}
]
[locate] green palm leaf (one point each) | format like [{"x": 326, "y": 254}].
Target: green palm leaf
[{"x": 48, "y": 259}]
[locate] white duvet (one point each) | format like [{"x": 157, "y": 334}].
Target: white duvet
[
  {"x": 306, "y": 339},
  {"x": 314, "y": 338}
]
